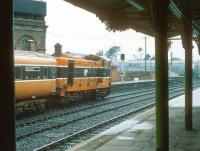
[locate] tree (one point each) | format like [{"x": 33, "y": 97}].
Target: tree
[
  {"x": 147, "y": 57},
  {"x": 99, "y": 53},
  {"x": 112, "y": 52}
]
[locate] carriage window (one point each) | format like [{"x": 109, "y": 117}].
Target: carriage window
[
  {"x": 45, "y": 72},
  {"x": 53, "y": 72},
  {"x": 32, "y": 73},
  {"x": 49, "y": 73},
  {"x": 18, "y": 73}
]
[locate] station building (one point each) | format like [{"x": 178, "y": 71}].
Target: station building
[{"x": 29, "y": 25}]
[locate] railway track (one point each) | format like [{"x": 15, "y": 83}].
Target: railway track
[
  {"x": 76, "y": 115},
  {"x": 31, "y": 124},
  {"x": 68, "y": 141},
  {"x": 118, "y": 88},
  {"x": 84, "y": 118},
  {"x": 87, "y": 105}
]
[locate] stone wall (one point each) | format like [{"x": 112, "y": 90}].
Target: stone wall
[{"x": 29, "y": 33}]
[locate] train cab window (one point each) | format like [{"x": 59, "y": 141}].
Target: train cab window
[
  {"x": 91, "y": 72},
  {"x": 32, "y": 72},
  {"x": 85, "y": 74},
  {"x": 94, "y": 72},
  {"x": 76, "y": 72},
  {"x": 18, "y": 73},
  {"x": 101, "y": 72}
]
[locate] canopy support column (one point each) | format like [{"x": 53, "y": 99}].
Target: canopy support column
[
  {"x": 161, "y": 56},
  {"x": 187, "y": 44},
  {"x": 7, "y": 103}
]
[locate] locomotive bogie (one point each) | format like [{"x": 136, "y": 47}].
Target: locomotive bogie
[{"x": 33, "y": 105}]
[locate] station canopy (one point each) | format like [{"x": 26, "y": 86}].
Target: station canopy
[{"x": 120, "y": 15}]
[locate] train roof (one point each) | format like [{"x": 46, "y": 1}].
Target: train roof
[
  {"x": 33, "y": 58},
  {"x": 31, "y": 54},
  {"x": 95, "y": 58}
]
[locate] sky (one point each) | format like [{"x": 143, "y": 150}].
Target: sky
[{"x": 80, "y": 31}]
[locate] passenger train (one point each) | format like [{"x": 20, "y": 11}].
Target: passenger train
[{"x": 42, "y": 80}]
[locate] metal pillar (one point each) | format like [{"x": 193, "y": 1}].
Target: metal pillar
[
  {"x": 161, "y": 56},
  {"x": 145, "y": 52},
  {"x": 187, "y": 44},
  {"x": 7, "y": 103},
  {"x": 171, "y": 63}
]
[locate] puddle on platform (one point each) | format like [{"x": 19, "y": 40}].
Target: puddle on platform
[
  {"x": 124, "y": 138},
  {"x": 121, "y": 127},
  {"x": 141, "y": 126}
]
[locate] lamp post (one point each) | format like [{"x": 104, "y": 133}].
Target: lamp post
[
  {"x": 122, "y": 73},
  {"x": 140, "y": 51},
  {"x": 145, "y": 52},
  {"x": 171, "y": 63}
]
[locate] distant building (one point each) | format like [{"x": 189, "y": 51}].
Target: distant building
[{"x": 29, "y": 25}]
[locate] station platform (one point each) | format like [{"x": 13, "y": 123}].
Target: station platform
[
  {"x": 138, "y": 133},
  {"x": 127, "y": 82}
]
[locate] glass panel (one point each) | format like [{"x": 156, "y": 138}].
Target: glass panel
[
  {"x": 45, "y": 72},
  {"x": 53, "y": 72},
  {"x": 26, "y": 44},
  {"x": 32, "y": 73},
  {"x": 18, "y": 73}
]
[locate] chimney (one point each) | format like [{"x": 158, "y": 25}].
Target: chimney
[{"x": 58, "y": 49}]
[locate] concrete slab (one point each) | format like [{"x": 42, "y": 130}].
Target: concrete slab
[{"x": 138, "y": 133}]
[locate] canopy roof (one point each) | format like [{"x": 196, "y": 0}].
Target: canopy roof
[{"x": 138, "y": 14}]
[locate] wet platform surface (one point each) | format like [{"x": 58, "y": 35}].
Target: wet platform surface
[{"x": 138, "y": 133}]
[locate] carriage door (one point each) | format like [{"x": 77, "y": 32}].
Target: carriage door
[{"x": 70, "y": 72}]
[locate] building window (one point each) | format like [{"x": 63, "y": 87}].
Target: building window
[{"x": 26, "y": 44}]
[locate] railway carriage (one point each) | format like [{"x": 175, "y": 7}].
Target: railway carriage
[{"x": 35, "y": 78}]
